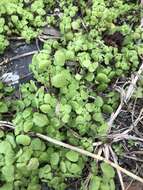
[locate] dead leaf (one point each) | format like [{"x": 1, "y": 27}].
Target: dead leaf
[{"x": 51, "y": 31}]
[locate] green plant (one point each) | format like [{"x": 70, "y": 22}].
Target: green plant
[
  {"x": 24, "y": 18},
  {"x": 5, "y": 103},
  {"x": 74, "y": 95},
  {"x": 105, "y": 181}
]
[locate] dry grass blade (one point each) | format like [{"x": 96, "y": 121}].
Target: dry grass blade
[
  {"x": 132, "y": 86},
  {"x": 118, "y": 171},
  {"x": 120, "y": 137},
  {"x": 106, "y": 151},
  {"x": 114, "y": 116}
]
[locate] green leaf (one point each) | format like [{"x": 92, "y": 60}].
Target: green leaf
[
  {"x": 9, "y": 158},
  {"x": 102, "y": 87},
  {"x": 24, "y": 156},
  {"x": 66, "y": 108},
  {"x": 14, "y": 18},
  {"x": 65, "y": 118},
  {"x": 41, "y": 61},
  {"x": 8, "y": 173},
  {"x": 104, "y": 186},
  {"x": 72, "y": 156},
  {"x": 99, "y": 101},
  {"x": 36, "y": 144},
  {"x": 138, "y": 92},
  {"x": 1, "y": 134},
  {"x": 70, "y": 55},
  {"x": 11, "y": 139},
  {"x": 8, "y": 89},
  {"x": 44, "y": 156},
  {"x": 47, "y": 98},
  {"x": 89, "y": 107},
  {"x": 45, "y": 172},
  {"x": 107, "y": 108},
  {"x": 33, "y": 164},
  {"x": 75, "y": 25},
  {"x": 75, "y": 169},
  {"x": 3, "y": 107},
  {"x": 45, "y": 108},
  {"x": 60, "y": 80},
  {"x": 93, "y": 67},
  {"x": 95, "y": 183},
  {"x": 5, "y": 147},
  {"x": 89, "y": 77},
  {"x": 112, "y": 185},
  {"x": 98, "y": 117},
  {"x": 63, "y": 167},
  {"x": 86, "y": 63},
  {"x": 7, "y": 186},
  {"x": 84, "y": 94},
  {"x": 107, "y": 170},
  {"x": 54, "y": 159},
  {"x": 101, "y": 77},
  {"x": 102, "y": 130},
  {"x": 34, "y": 186},
  {"x": 40, "y": 120},
  {"x": 2, "y": 160},
  {"x": 23, "y": 140},
  {"x": 59, "y": 58},
  {"x": 28, "y": 124},
  {"x": 78, "y": 77},
  {"x": 26, "y": 113},
  {"x": 1, "y": 85}
]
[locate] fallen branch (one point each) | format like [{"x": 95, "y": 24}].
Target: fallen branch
[{"x": 79, "y": 150}]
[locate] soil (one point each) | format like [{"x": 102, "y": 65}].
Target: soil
[{"x": 115, "y": 39}]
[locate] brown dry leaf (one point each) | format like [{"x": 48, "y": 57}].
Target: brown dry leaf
[{"x": 51, "y": 31}]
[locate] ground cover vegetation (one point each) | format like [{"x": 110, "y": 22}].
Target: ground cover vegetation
[{"x": 72, "y": 94}]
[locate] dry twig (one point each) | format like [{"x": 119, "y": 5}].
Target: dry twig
[{"x": 118, "y": 171}]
